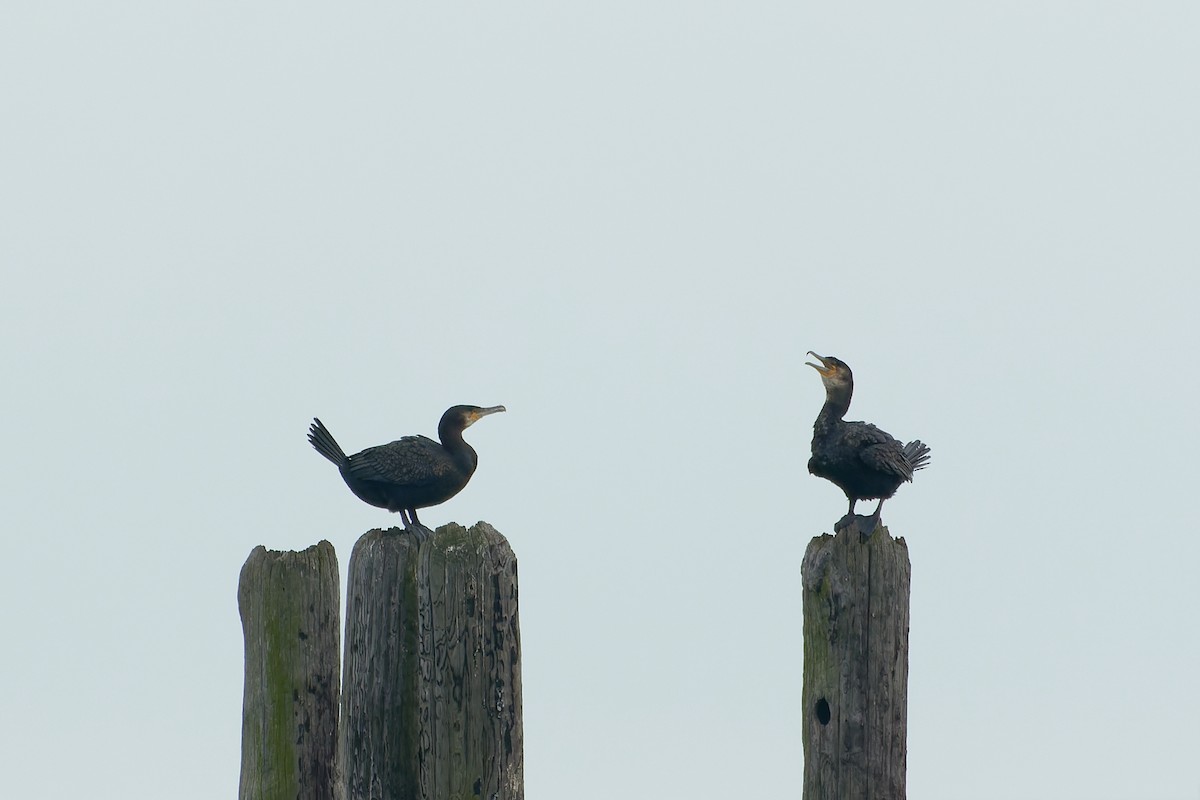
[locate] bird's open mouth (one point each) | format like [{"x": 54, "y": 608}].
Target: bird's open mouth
[{"x": 823, "y": 367}]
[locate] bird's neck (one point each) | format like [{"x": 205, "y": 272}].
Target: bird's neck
[
  {"x": 837, "y": 403},
  {"x": 463, "y": 454}
]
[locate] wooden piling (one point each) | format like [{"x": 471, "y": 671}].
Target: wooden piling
[
  {"x": 855, "y": 697},
  {"x": 432, "y": 695},
  {"x": 289, "y": 605}
]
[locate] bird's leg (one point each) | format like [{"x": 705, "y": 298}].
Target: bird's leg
[
  {"x": 421, "y": 530},
  {"x": 418, "y": 530},
  {"x": 873, "y": 520},
  {"x": 405, "y": 519},
  {"x": 848, "y": 519}
]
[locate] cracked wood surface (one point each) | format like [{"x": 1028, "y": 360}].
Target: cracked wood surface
[
  {"x": 432, "y": 696},
  {"x": 289, "y": 604},
  {"x": 855, "y": 696}
]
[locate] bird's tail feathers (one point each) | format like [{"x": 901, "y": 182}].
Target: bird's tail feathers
[
  {"x": 324, "y": 443},
  {"x": 916, "y": 453}
]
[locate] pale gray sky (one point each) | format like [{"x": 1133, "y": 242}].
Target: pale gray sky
[{"x": 627, "y": 222}]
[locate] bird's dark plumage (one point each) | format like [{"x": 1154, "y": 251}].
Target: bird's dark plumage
[
  {"x": 865, "y": 462},
  {"x": 412, "y": 472}
]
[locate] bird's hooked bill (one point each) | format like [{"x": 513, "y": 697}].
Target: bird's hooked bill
[
  {"x": 822, "y": 368},
  {"x": 476, "y": 414}
]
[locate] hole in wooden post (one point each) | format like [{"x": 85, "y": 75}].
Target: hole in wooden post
[{"x": 823, "y": 712}]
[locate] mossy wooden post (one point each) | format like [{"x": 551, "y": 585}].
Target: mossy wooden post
[
  {"x": 432, "y": 694},
  {"x": 855, "y": 698},
  {"x": 289, "y": 604}
]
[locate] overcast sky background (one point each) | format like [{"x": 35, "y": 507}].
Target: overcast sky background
[{"x": 627, "y": 222}]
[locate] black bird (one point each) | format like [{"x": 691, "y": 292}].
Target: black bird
[
  {"x": 862, "y": 460},
  {"x": 412, "y": 472}
]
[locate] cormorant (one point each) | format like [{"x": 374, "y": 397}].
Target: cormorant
[
  {"x": 412, "y": 472},
  {"x": 862, "y": 460}
]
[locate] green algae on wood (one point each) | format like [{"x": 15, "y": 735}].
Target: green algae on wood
[{"x": 289, "y": 604}]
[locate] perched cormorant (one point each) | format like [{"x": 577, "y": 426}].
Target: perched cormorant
[
  {"x": 862, "y": 460},
  {"x": 412, "y": 472}
]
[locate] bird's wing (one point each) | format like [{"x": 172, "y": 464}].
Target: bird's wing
[
  {"x": 411, "y": 461},
  {"x": 879, "y": 450},
  {"x": 887, "y": 458}
]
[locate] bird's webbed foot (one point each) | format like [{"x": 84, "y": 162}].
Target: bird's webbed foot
[
  {"x": 864, "y": 525},
  {"x": 868, "y": 525},
  {"x": 413, "y": 526},
  {"x": 844, "y": 522}
]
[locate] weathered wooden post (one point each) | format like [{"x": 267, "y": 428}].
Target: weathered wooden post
[
  {"x": 855, "y": 698},
  {"x": 432, "y": 696},
  {"x": 289, "y": 604}
]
